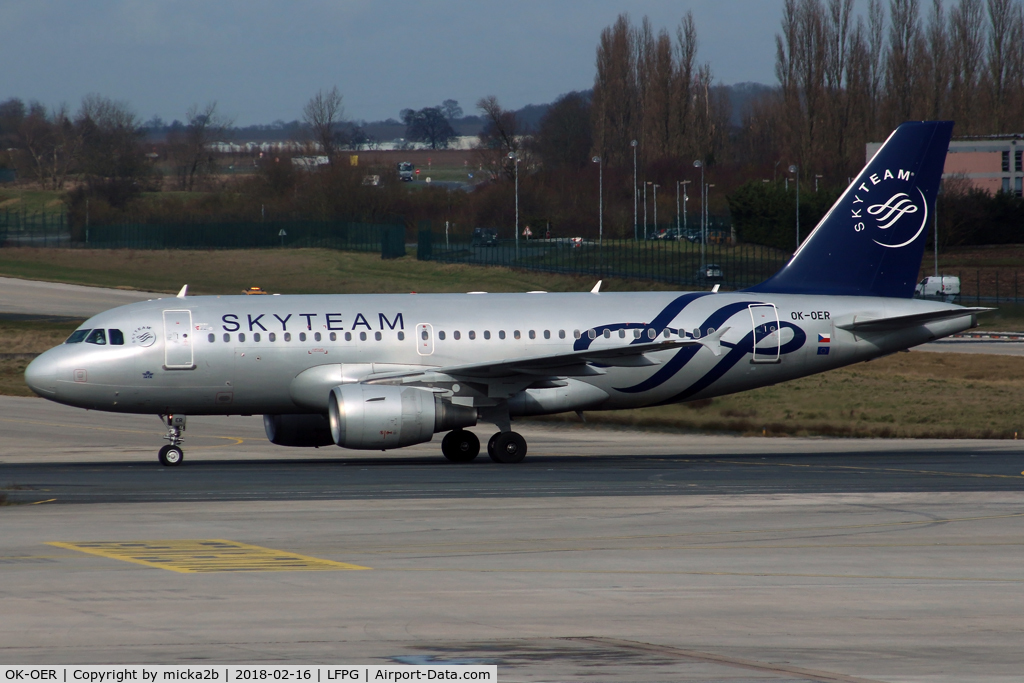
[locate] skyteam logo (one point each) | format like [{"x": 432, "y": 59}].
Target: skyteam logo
[
  {"x": 143, "y": 336},
  {"x": 897, "y": 216}
]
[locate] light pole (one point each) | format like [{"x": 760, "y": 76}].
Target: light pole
[
  {"x": 678, "y": 183},
  {"x": 645, "y": 208},
  {"x": 655, "y": 186},
  {"x": 633, "y": 145},
  {"x": 600, "y": 201},
  {"x": 816, "y": 182},
  {"x": 795, "y": 170},
  {"x": 515, "y": 160},
  {"x": 703, "y": 233}
]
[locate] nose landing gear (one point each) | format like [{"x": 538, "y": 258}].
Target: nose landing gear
[{"x": 172, "y": 454}]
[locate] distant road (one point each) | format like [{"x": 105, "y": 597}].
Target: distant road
[{"x": 32, "y": 298}]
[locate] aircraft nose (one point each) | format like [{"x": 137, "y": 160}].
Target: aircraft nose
[{"x": 41, "y": 375}]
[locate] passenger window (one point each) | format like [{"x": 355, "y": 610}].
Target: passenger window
[
  {"x": 272, "y": 337},
  {"x": 561, "y": 334},
  {"x": 316, "y": 336},
  {"x": 424, "y": 335},
  {"x": 241, "y": 336},
  {"x": 636, "y": 334},
  {"x": 516, "y": 334},
  {"x": 487, "y": 334},
  {"x": 255, "y": 336},
  {"x": 667, "y": 333},
  {"x": 533, "y": 335},
  {"x": 457, "y": 335},
  {"x": 117, "y": 337},
  {"x": 376, "y": 335},
  {"x": 362, "y": 336},
  {"x": 651, "y": 333},
  {"x": 77, "y": 336},
  {"x": 97, "y": 337},
  {"x": 501, "y": 334},
  {"x": 440, "y": 335},
  {"x": 592, "y": 334},
  {"x": 547, "y": 334},
  {"x": 576, "y": 334},
  {"x": 211, "y": 338},
  {"x": 227, "y": 337},
  {"x": 302, "y": 336},
  {"x": 607, "y": 334},
  {"x": 472, "y": 334},
  {"x": 622, "y": 334},
  {"x": 334, "y": 336},
  {"x": 348, "y": 336},
  {"x": 401, "y": 336},
  {"x": 287, "y": 336}
]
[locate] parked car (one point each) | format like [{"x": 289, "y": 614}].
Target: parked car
[
  {"x": 712, "y": 272},
  {"x": 484, "y": 237},
  {"x": 942, "y": 287}
]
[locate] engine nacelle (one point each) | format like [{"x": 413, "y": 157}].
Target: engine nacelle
[
  {"x": 304, "y": 431},
  {"x": 373, "y": 417}
]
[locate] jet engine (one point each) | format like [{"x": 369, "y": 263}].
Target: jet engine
[
  {"x": 304, "y": 431},
  {"x": 372, "y": 417}
]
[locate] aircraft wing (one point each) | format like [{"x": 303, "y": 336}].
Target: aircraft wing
[
  {"x": 531, "y": 368},
  {"x": 898, "y": 322}
]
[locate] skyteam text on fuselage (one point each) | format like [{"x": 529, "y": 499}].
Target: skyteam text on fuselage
[{"x": 387, "y": 371}]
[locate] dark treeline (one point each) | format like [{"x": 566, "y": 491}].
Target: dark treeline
[{"x": 843, "y": 79}]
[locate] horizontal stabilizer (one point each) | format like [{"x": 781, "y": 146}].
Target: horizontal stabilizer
[{"x": 903, "y": 321}]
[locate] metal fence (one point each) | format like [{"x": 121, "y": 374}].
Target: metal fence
[
  {"x": 52, "y": 230},
  {"x": 677, "y": 261}
]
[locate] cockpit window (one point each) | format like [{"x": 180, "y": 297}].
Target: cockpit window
[
  {"x": 116, "y": 337},
  {"x": 98, "y": 337},
  {"x": 77, "y": 336}
]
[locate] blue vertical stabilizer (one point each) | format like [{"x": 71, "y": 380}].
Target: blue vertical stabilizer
[{"x": 871, "y": 241}]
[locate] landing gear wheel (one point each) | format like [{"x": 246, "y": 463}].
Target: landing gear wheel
[
  {"x": 509, "y": 448},
  {"x": 171, "y": 456},
  {"x": 460, "y": 445},
  {"x": 490, "y": 445}
]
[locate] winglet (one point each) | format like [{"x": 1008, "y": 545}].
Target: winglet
[
  {"x": 597, "y": 287},
  {"x": 713, "y": 341},
  {"x": 183, "y": 292}
]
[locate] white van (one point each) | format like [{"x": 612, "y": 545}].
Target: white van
[{"x": 943, "y": 287}]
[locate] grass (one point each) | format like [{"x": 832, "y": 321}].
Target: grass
[
  {"x": 31, "y": 201},
  {"x": 292, "y": 271},
  {"x": 917, "y": 395}
]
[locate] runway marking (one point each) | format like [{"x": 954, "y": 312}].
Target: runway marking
[
  {"x": 680, "y": 653},
  {"x": 40, "y": 502},
  {"x": 872, "y": 469},
  {"x": 200, "y": 556},
  {"x": 238, "y": 440}
]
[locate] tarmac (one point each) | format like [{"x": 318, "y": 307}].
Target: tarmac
[{"x": 608, "y": 555}]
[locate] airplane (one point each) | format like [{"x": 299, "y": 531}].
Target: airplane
[{"x": 385, "y": 371}]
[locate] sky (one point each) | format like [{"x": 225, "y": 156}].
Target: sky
[{"x": 261, "y": 60}]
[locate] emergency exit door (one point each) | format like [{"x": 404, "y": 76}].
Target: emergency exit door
[
  {"x": 424, "y": 339},
  {"x": 178, "y": 340},
  {"x": 767, "y": 338}
]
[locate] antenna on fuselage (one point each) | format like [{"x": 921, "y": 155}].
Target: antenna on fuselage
[{"x": 183, "y": 292}]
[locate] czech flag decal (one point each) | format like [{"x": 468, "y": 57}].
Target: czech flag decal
[{"x": 824, "y": 338}]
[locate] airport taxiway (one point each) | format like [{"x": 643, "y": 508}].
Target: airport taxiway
[{"x": 608, "y": 555}]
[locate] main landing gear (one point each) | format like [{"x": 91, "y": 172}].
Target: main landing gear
[
  {"x": 462, "y": 445},
  {"x": 172, "y": 454}
]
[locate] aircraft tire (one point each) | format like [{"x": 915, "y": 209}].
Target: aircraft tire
[
  {"x": 460, "y": 445},
  {"x": 490, "y": 445},
  {"x": 170, "y": 456},
  {"x": 509, "y": 448}
]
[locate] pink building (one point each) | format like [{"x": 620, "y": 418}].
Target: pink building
[{"x": 991, "y": 164}]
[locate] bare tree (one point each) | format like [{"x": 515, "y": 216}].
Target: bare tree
[
  {"x": 966, "y": 21},
  {"x": 451, "y": 110},
  {"x": 938, "y": 61},
  {"x": 52, "y": 143},
  {"x": 322, "y": 114},
  {"x": 1001, "y": 16},
  {"x": 190, "y": 148},
  {"x": 901, "y": 57},
  {"x": 500, "y": 137},
  {"x": 875, "y": 38},
  {"x": 615, "y": 108},
  {"x": 113, "y": 160}
]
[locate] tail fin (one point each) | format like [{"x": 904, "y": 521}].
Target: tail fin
[{"x": 871, "y": 241}]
